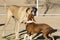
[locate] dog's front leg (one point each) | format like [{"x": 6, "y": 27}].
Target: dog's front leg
[
  {"x": 17, "y": 30},
  {"x": 31, "y": 37},
  {"x": 9, "y": 14}
]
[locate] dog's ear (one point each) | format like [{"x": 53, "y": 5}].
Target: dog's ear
[
  {"x": 34, "y": 10},
  {"x": 27, "y": 10}
]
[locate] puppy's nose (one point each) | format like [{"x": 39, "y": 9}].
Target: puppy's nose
[{"x": 23, "y": 22}]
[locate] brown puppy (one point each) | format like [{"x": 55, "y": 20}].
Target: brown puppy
[{"x": 33, "y": 28}]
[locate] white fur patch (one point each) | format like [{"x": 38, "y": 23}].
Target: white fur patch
[{"x": 30, "y": 21}]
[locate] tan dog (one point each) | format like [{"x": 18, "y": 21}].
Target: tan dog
[{"x": 19, "y": 14}]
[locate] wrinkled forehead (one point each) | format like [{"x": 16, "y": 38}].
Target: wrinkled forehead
[
  {"x": 32, "y": 10},
  {"x": 29, "y": 10}
]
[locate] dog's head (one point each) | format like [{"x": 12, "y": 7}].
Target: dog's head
[{"x": 30, "y": 10}]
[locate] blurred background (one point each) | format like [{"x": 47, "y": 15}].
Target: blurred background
[{"x": 51, "y": 9}]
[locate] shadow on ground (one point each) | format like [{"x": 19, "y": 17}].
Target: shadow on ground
[
  {"x": 2, "y": 24},
  {"x": 55, "y": 37},
  {"x": 40, "y": 37},
  {"x": 52, "y": 31}
]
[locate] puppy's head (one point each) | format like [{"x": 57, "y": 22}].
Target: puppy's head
[{"x": 30, "y": 11}]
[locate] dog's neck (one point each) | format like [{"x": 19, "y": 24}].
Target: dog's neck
[{"x": 30, "y": 21}]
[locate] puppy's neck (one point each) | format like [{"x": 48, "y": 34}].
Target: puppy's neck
[{"x": 30, "y": 21}]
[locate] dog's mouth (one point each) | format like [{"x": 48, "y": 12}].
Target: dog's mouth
[{"x": 23, "y": 22}]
